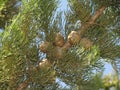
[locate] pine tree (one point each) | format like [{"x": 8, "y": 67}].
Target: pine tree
[{"x": 36, "y": 49}]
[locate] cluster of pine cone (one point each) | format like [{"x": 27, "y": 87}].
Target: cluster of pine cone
[{"x": 61, "y": 46}]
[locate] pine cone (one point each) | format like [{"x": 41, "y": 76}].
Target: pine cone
[
  {"x": 44, "y": 64},
  {"x": 59, "y": 40},
  {"x": 86, "y": 43},
  {"x": 73, "y": 38},
  {"x": 44, "y": 46}
]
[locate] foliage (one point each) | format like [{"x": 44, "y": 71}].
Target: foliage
[
  {"x": 20, "y": 41},
  {"x": 2, "y": 2},
  {"x": 9, "y": 9},
  {"x": 20, "y": 57}
]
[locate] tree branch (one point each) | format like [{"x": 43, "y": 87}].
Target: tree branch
[
  {"x": 92, "y": 20},
  {"x": 22, "y": 86},
  {"x": 86, "y": 26}
]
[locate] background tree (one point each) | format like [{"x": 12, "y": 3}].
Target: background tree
[{"x": 36, "y": 49}]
